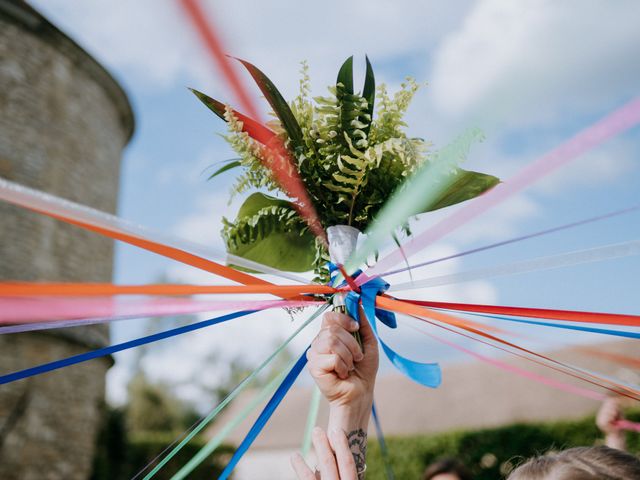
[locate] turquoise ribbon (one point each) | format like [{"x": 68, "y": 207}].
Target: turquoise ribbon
[{"x": 427, "y": 374}]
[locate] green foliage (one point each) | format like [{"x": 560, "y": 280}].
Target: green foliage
[
  {"x": 120, "y": 455},
  {"x": 226, "y": 167},
  {"x": 152, "y": 407},
  {"x": 465, "y": 186},
  {"x": 349, "y": 160},
  {"x": 489, "y": 453},
  {"x": 268, "y": 230}
]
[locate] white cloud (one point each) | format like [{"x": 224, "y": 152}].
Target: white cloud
[
  {"x": 148, "y": 41},
  {"x": 153, "y": 43},
  {"x": 538, "y": 60},
  {"x": 604, "y": 165}
]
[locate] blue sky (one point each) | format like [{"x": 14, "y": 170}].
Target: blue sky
[{"x": 530, "y": 74}]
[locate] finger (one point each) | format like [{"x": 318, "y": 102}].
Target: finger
[
  {"x": 344, "y": 457},
  {"x": 326, "y": 459},
  {"x": 303, "y": 472},
  {"x": 323, "y": 364},
  {"x": 340, "y": 319},
  {"x": 350, "y": 343},
  {"x": 335, "y": 339}
]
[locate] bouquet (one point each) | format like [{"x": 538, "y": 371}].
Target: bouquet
[{"x": 350, "y": 150}]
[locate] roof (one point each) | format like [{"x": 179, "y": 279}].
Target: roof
[{"x": 472, "y": 395}]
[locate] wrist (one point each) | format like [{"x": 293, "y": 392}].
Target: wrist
[
  {"x": 350, "y": 416},
  {"x": 617, "y": 440}
]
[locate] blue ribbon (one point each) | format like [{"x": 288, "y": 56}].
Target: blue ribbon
[
  {"x": 427, "y": 374},
  {"x": 383, "y": 444},
  {"x": 265, "y": 415},
  {"x": 602, "y": 331},
  {"x": 101, "y": 352}
]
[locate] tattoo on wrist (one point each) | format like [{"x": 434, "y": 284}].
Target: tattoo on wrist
[{"x": 358, "y": 445}]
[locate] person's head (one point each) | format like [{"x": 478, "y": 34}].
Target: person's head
[
  {"x": 581, "y": 463},
  {"x": 447, "y": 469}
]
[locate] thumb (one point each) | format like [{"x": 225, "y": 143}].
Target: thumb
[{"x": 366, "y": 331}]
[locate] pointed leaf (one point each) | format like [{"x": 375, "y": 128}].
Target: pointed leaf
[
  {"x": 466, "y": 185},
  {"x": 289, "y": 251},
  {"x": 369, "y": 91},
  {"x": 345, "y": 75},
  {"x": 278, "y": 104},
  {"x": 224, "y": 168},
  {"x": 254, "y": 129}
]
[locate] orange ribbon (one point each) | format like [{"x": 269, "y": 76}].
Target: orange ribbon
[
  {"x": 424, "y": 314},
  {"x": 19, "y": 289}
]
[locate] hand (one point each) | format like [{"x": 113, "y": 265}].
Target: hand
[
  {"x": 344, "y": 374},
  {"x": 335, "y": 461},
  {"x": 609, "y": 413}
]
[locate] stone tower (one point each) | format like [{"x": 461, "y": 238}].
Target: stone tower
[{"x": 63, "y": 124}]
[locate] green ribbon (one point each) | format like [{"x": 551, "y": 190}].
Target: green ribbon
[
  {"x": 241, "y": 386},
  {"x": 215, "y": 442},
  {"x": 422, "y": 188},
  {"x": 314, "y": 406}
]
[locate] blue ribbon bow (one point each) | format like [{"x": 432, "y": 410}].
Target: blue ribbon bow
[{"x": 427, "y": 374}]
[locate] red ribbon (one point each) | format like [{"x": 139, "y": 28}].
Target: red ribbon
[{"x": 567, "y": 315}]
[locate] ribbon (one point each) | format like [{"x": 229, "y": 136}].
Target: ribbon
[
  {"x": 265, "y": 415},
  {"x": 21, "y": 289},
  {"x": 102, "y": 352},
  {"x": 628, "y": 425},
  {"x": 312, "y": 418},
  {"x": 425, "y": 315},
  {"x": 278, "y": 158},
  {"x": 112, "y": 227},
  {"x": 554, "y": 314},
  {"x": 550, "y": 382},
  {"x": 217, "y": 439},
  {"x": 602, "y": 331},
  {"x": 597, "y": 254},
  {"x": 528, "y": 236},
  {"x": 427, "y": 374},
  {"x": 214, "y": 442},
  {"x": 54, "y": 310},
  {"x": 151, "y": 312},
  {"x": 386, "y": 460},
  {"x": 425, "y": 185},
  {"x": 613, "y": 124}
]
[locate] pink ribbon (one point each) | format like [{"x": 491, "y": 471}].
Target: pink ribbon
[
  {"x": 616, "y": 122},
  {"x": 40, "y": 309}
]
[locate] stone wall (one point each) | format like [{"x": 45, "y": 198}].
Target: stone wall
[{"x": 63, "y": 124}]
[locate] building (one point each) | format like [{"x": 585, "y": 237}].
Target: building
[{"x": 63, "y": 124}]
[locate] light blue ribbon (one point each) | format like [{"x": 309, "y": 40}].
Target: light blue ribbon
[
  {"x": 427, "y": 374},
  {"x": 265, "y": 415}
]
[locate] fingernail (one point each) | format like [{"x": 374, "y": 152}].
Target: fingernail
[
  {"x": 354, "y": 325},
  {"x": 359, "y": 356}
]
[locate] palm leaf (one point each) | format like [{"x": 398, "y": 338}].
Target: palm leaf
[
  {"x": 465, "y": 186},
  {"x": 278, "y": 104},
  {"x": 254, "y": 129},
  {"x": 345, "y": 76},
  {"x": 369, "y": 92}
]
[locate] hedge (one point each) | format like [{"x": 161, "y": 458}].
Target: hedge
[
  {"x": 489, "y": 453},
  {"x": 120, "y": 456}
]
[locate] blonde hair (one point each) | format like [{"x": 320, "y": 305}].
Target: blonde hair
[{"x": 581, "y": 463}]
